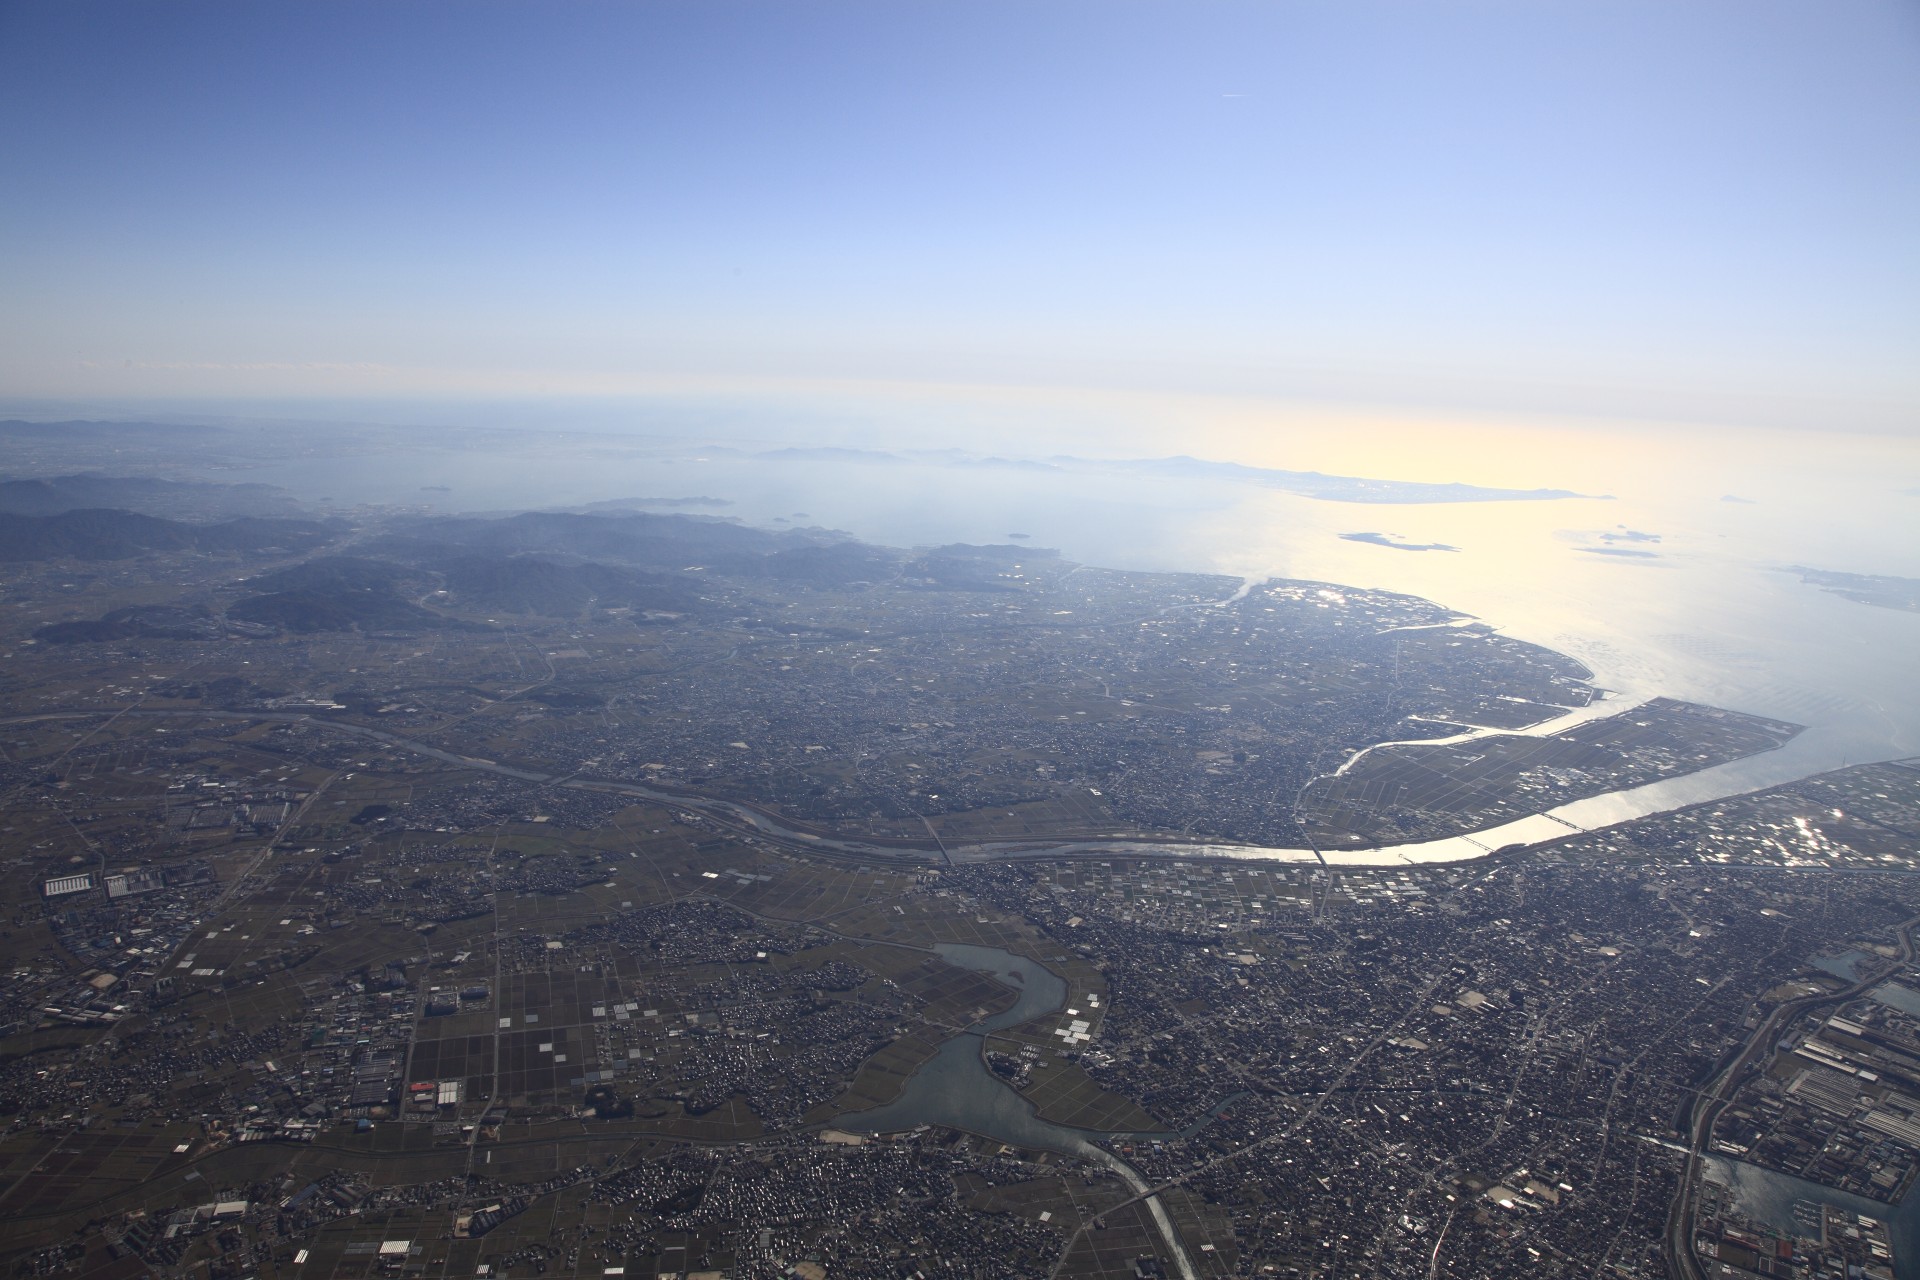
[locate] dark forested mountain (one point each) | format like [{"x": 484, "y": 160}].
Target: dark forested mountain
[
  {"x": 654, "y": 541},
  {"x": 326, "y": 574},
  {"x": 532, "y": 584},
  {"x": 340, "y": 610},
  {"x": 90, "y": 432},
  {"x": 441, "y": 573},
  {"x": 836, "y": 564},
  {"x": 172, "y": 498},
  {"x": 534, "y": 566},
  {"x": 338, "y": 593},
  {"x": 101, "y": 534},
  {"x": 140, "y": 622}
]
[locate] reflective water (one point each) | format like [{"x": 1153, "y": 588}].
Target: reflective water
[
  {"x": 1781, "y": 1200},
  {"x": 1708, "y": 613},
  {"x": 1040, "y": 990},
  {"x": 1845, "y": 966},
  {"x": 956, "y": 1090}
]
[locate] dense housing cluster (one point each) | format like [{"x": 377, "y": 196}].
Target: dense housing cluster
[{"x": 611, "y": 924}]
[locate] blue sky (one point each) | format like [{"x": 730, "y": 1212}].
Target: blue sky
[{"x": 1684, "y": 210}]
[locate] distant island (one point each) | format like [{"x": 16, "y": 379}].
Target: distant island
[
  {"x": 1620, "y": 533},
  {"x": 1383, "y": 540},
  {"x": 627, "y": 504},
  {"x": 1315, "y": 484},
  {"x": 1882, "y": 590},
  {"x": 1307, "y": 484}
]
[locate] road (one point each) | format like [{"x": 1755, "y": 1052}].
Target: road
[{"x": 1714, "y": 1099}]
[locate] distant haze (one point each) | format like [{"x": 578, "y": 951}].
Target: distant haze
[
  {"x": 1663, "y": 255},
  {"x": 1634, "y": 211}
]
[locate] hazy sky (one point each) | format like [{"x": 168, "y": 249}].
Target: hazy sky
[{"x": 1691, "y": 209}]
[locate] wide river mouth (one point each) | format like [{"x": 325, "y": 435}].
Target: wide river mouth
[{"x": 1680, "y": 586}]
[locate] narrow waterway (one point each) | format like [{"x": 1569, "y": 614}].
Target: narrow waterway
[{"x": 955, "y": 1089}]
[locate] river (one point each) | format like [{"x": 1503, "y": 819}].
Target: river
[
  {"x": 1707, "y": 611},
  {"x": 955, "y": 1089}
]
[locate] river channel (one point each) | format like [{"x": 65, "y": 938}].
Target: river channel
[
  {"x": 1770, "y": 768},
  {"x": 956, "y": 1090},
  {"x": 1709, "y": 610}
]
